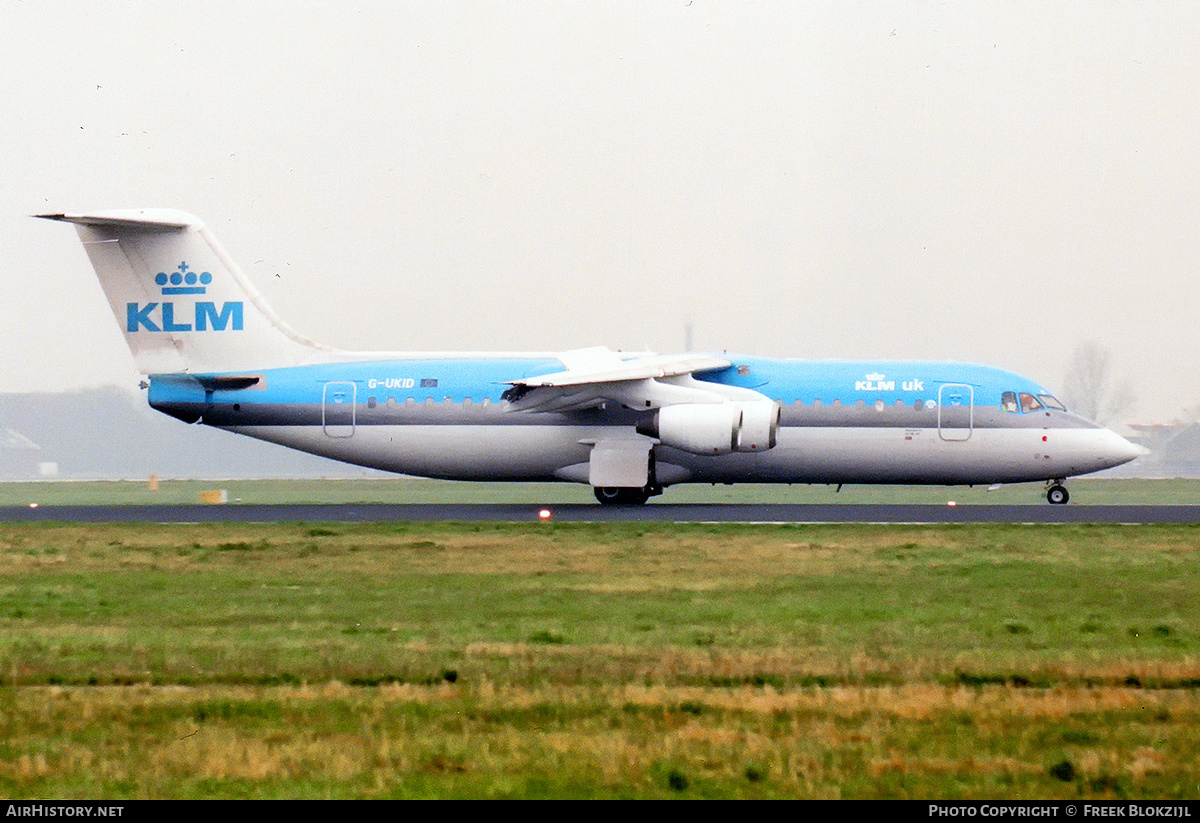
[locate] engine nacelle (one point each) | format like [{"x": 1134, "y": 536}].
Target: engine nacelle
[
  {"x": 715, "y": 428},
  {"x": 698, "y": 428},
  {"x": 760, "y": 425}
]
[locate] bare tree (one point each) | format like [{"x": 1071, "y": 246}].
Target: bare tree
[
  {"x": 1090, "y": 388},
  {"x": 1190, "y": 416}
]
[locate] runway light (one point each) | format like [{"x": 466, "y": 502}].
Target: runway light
[
  {"x": 544, "y": 514},
  {"x": 33, "y": 505},
  {"x": 951, "y": 503}
]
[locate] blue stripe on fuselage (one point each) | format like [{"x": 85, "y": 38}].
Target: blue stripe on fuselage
[
  {"x": 438, "y": 379},
  {"x": 458, "y": 379},
  {"x": 848, "y": 381}
]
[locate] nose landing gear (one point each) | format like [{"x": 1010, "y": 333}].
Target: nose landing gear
[{"x": 1057, "y": 494}]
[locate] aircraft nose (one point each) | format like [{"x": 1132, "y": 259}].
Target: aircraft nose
[{"x": 1117, "y": 450}]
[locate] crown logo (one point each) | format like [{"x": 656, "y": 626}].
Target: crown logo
[{"x": 183, "y": 281}]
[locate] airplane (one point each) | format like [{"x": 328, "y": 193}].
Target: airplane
[{"x": 627, "y": 424}]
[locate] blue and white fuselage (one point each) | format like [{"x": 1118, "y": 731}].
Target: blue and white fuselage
[
  {"x": 945, "y": 423},
  {"x": 627, "y": 424}
]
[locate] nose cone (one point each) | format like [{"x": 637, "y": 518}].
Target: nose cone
[{"x": 1115, "y": 450}]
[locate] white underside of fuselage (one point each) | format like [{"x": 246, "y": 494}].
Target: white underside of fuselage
[{"x": 802, "y": 454}]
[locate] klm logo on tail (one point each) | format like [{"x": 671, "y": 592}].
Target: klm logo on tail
[{"x": 203, "y": 315}]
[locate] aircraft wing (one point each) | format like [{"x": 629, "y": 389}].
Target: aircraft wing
[{"x": 596, "y": 376}]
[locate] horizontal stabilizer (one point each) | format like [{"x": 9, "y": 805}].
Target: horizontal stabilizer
[{"x": 129, "y": 219}]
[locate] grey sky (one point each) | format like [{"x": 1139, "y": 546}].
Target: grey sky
[{"x": 992, "y": 182}]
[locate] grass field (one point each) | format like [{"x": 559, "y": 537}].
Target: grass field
[{"x": 599, "y": 660}]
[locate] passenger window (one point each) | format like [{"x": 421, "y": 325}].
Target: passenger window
[
  {"x": 1029, "y": 403},
  {"x": 1008, "y": 401},
  {"x": 1052, "y": 402}
]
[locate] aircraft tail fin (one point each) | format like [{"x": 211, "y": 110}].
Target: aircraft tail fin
[{"x": 181, "y": 301}]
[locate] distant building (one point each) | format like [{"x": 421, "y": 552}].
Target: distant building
[
  {"x": 19, "y": 456},
  {"x": 1174, "y": 449},
  {"x": 111, "y": 434}
]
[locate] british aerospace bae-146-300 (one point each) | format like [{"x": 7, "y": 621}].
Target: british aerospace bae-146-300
[{"x": 628, "y": 425}]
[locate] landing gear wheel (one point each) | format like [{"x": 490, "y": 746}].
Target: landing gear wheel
[
  {"x": 621, "y": 496},
  {"x": 1057, "y": 494}
]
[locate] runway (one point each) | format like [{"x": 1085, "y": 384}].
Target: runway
[{"x": 592, "y": 513}]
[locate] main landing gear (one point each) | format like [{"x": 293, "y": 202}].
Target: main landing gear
[
  {"x": 1057, "y": 493},
  {"x": 625, "y": 496}
]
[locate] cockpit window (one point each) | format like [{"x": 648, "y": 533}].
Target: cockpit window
[
  {"x": 1050, "y": 401},
  {"x": 1008, "y": 401},
  {"x": 1029, "y": 403}
]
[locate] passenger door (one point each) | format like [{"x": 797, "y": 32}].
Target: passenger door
[
  {"x": 337, "y": 409},
  {"x": 956, "y": 411}
]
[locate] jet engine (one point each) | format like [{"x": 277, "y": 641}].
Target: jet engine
[
  {"x": 760, "y": 426},
  {"x": 699, "y": 428},
  {"x": 715, "y": 428}
]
